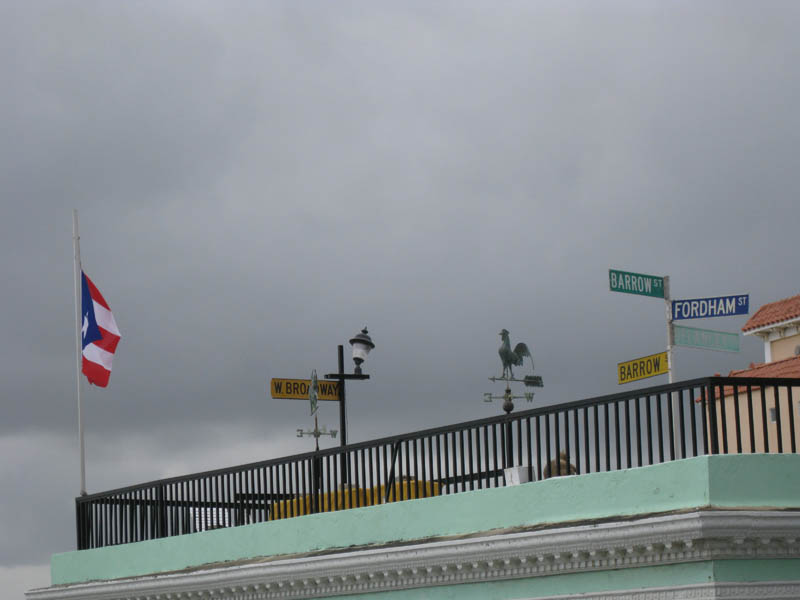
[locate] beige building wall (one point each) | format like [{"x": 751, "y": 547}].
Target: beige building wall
[
  {"x": 748, "y": 401},
  {"x": 784, "y": 348}
]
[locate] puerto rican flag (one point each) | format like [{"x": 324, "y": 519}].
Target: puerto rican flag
[{"x": 99, "y": 332}]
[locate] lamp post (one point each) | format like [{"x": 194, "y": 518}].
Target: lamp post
[{"x": 362, "y": 344}]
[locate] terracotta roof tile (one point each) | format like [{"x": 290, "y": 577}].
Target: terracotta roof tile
[
  {"x": 774, "y": 312},
  {"x": 788, "y": 367}
]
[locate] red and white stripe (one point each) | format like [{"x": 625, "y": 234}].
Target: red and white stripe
[{"x": 98, "y": 355}]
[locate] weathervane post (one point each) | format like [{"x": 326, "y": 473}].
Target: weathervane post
[
  {"x": 316, "y": 475},
  {"x": 511, "y": 358},
  {"x": 313, "y": 398}
]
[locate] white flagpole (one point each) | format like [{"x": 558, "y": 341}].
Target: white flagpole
[{"x": 76, "y": 244}]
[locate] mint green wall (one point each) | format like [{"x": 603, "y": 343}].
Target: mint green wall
[
  {"x": 771, "y": 480},
  {"x": 754, "y": 480}
]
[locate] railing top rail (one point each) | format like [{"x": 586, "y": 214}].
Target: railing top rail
[
  {"x": 498, "y": 419},
  {"x": 755, "y": 381}
]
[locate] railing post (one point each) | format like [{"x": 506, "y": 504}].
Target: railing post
[
  {"x": 712, "y": 418},
  {"x": 792, "y": 433},
  {"x": 316, "y": 483},
  {"x": 778, "y": 425},
  {"x": 161, "y": 513},
  {"x": 79, "y": 526},
  {"x": 389, "y": 491},
  {"x": 509, "y": 445}
]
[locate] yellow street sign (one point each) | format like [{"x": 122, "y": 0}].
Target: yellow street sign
[
  {"x": 297, "y": 389},
  {"x": 642, "y": 368}
]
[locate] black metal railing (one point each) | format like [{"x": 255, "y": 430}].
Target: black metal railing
[{"x": 619, "y": 431}]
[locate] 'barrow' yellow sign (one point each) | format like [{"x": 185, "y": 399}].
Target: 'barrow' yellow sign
[
  {"x": 642, "y": 368},
  {"x": 297, "y": 389}
]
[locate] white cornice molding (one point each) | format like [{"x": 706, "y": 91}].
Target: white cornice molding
[
  {"x": 669, "y": 539},
  {"x": 767, "y": 329},
  {"x": 782, "y": 333},
  {"x": 773, "y": 590}
]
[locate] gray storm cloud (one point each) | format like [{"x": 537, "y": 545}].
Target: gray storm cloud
[{"x": 256, "y": 182}]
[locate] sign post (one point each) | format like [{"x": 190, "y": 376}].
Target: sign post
[
  {"x": 676, "y": 310},
  {"x": 654, "y": 286},
  {"x": 670, "y": 368},
  {"x": 670, "y": 333}
]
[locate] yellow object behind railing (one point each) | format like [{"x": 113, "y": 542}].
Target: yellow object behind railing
[
  {"x": 408, "y": 489},
  {"x": 338, "y": 500},
  {"x": 354, "y": 497}
]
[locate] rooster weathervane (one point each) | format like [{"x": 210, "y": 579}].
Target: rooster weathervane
[{"x": 510, "y": 359}]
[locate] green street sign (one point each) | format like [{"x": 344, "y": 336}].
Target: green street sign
[
  {"x": 707, "y": 339},
  {"x": 636, "y": 283}
]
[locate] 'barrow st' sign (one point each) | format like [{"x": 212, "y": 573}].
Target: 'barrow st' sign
[
  {"x": 642, "y": 368},
  {"x": 636, "y": 283},
  {"x": 704, "y": 308}
]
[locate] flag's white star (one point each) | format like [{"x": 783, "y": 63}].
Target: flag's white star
[{"x": 85, "y": 327}]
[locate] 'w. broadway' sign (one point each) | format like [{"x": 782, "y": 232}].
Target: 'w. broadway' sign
[
  {"x": 642, "y": 368},
  {"x": 703, "y": 308},
  {"x": 297, "y": 389},
  {"x": 636, "y": 283}
]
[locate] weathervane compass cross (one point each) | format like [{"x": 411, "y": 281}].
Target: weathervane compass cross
[
  {"x": 513, "y": 358},
  {"x": 313, "y": 397}
]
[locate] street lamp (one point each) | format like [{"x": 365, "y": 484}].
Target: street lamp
[{"x": 362, "y": 344}]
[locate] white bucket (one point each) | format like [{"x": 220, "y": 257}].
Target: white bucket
[{"x": 516, "y": 475}]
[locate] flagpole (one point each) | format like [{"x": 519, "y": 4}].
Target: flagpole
[{"x": 76, "y": 244}]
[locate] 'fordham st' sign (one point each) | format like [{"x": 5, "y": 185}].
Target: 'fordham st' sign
[
  {"x": 703, "y": 308},
  {"x": 636, "y": 283}
]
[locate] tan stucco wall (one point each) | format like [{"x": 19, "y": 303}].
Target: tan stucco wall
[
  {"x": 786, "y": 397},
  {"x": 784, "y": 348}
]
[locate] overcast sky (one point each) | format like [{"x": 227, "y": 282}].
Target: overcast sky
[{"x": 258, "y": 181}]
